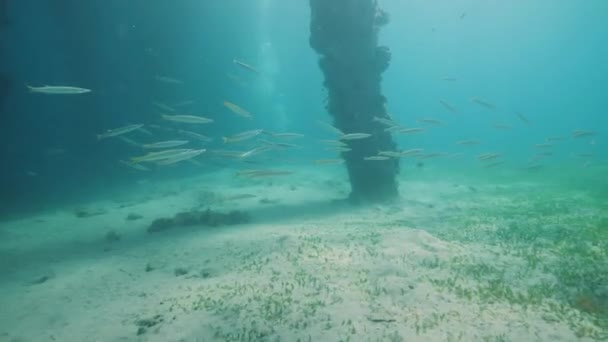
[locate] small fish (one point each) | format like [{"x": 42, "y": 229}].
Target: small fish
[
  {"x": 533, "y": 167},
  {"x": 129, "y": 141},
  {"x": 394, "y": 128},
  {"x": 377, "y": 158},
  {"x": 468, "y": 142},
  {"x": 237, "y": 110},
  {"x": 328, "y": 161},
  {"x": 464, "y": 14},
  {"x": 256, "y": 150},
  {"x": 166, "y": 144},
  {"x": 134, "y": 166},
  {"x": 579, "y": 133},
  {"x": 431, "y": 155},
  {"x": 277, "y": 144},
  {"x": 523, "y": 118},
  {"x": 384, "y": 121},
  {"x": 410, "y": 152},
  {"x": 193, "y": 119},
  {"x": 245, "y": 65},
  {"x": 448, "y": 106},
  {"x": 410, "y": 130},
  {"x": 339, "y": 149},
  {"x": 242, "y": 136},
  {"x": 164, "y": 107},
  {"x": 156, "y": 156},
  {"x": 58, "y": 90},
  {"x": 118, "y": 131},
  {"x": 555, "y": 139},
  {"x": 431, "y": 121},
  {"x": 227, "y": 154},
  {"x": 181, "y": 157},
  {"x": 166, "y": 79},
  {"x": 502, "y": 126},
  {"x": 145, "y": 131},
  {"x": 450, "y": 79},
  {"x": 392, "y": 154},
  {"x": 544, "y": 145},
  {"x": 494, "y": 164},
  {"x": 195, "y": 135},
  {"x": 488, "y": 156},
  {"x": 483, "y": 103},
  {"x": 334, "y": 143},
  {"x": 354, "y": 136}
]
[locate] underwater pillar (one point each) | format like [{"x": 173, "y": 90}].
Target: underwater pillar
[{"x": 345, "y": 35}]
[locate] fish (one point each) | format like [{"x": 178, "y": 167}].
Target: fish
[
  {"x": 483, "y": 103},
  {"x": 464, "y": 14},
  {"x": 58, "y": 90},
  {"x": 377, "y": 158},
  {"x": 488, "y": 156},
  {"x": 245, "y": 66},
  {"x": 195, "y": 135},
  {"x": 156, "y": 156},
  {"x": 579, "y": 133},
  {"x": 193, "y": 119},
  {"x": 277, "y": 144},
  {"x": 431, "y": 121},
  {"x": 384, "y": 121},
  {"x": 354, "y": 136},
  {"x": 166, "y": 79},
  {"x": 166, "y": 144},
  {"x": 555, "y": 138},
  {"x": 118, "y": 131},
  {"x": 394, "y": 128},
  {"x": 494, "y": 164},
  {"x": 238, "y": 110},
  {"x": 522, "y": 118},
  {"x": 450, "y": 79},
  {"x": 242, "y": 136},
  {"x": 544, "y": 145},
  {"x": 431, "y": 155},
  {"x": 129, "y": 141},
  {"x": 134, "y": 166},
  {"x": 163, "y": 107},
  {"x": 502, "y": 126},
  {"x": 334, "y": 143},
  {"x": 339, "y": 149},
  {"x": 328, "y": 161},
  {"x": 392, "y": 154},
  {"x": 448, "y": 106},
  {"x": 468, "y": 142},
  {"x": 227, "y": 154},
  {"x": 255, "y": 151},
  {"x": 410, "y": 152},
  {"x": 180, "y": 157},
  {"x": 410, "y": 130},
  {"x": 145, "y": 131}
]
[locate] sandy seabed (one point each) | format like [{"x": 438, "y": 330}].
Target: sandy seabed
[{"x": 309, "y": 267}]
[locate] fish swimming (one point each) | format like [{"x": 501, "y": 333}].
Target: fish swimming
[
  {"x": 522, "y": 118},
  {"x": 188, "y": 154},
  {"x": 245, "y": 66},
  {"x": 163, "y": 107},
  {"x": 156, "y": 156},
  {"x": 242, "y": 136},
  {"x": 377, "y": 158},
  {"x": 328, "y": 161},
  {"x": 237, "y": 110},
  {"x": 166, "y": 144},
  {"x": 483, "y": 103},
  {"x": 58, "y": 90},
  {"x": 410, "y": 130},
  {"x": 467, "y": 142},
  {"x": 118, "y": 131},
  {"x": 448, "y": 106},
  {"x": 193, "y": 119},
  {"x": 354, "y": 136}
]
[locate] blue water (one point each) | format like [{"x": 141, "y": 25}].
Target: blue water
[{"x": 544, "y": 59}]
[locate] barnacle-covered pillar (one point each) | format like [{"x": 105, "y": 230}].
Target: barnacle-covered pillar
[{"x": 345, "y": 35}]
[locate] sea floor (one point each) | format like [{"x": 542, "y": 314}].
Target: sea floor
[{"x": 469, "y": 258}]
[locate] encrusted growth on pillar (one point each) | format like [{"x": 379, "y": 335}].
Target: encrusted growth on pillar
[{"x": 345, "y": 35}]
